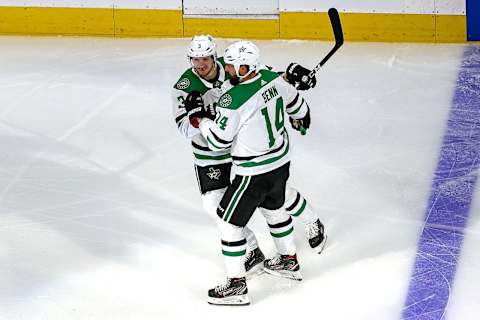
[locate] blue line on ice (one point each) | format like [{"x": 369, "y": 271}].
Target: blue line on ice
[{"x": 448, "y": 207}]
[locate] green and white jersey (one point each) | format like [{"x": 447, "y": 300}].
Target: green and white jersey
[
  {"x": 188, "y": 82},
  {"x": 250, "y": 122}
]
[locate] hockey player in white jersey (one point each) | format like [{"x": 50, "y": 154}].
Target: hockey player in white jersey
[
  {"x": 250, "y": 123},
  {"x": 213, "y": 167}
]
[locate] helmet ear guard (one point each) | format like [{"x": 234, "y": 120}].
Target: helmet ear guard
[{"x": 242, "y": 53}]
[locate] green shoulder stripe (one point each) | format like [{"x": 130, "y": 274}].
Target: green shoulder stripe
[
  {"x": 189, "y": 81},
  {"x": 239, "y": 94},
  {"x": 222, "y": 63}
]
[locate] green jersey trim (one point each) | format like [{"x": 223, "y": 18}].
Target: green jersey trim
[
  {"x": 266, "y": 161},
  {"x": 296, "y": 110},
  {"x": 239, "y": 94},
  {"x": 213, "y": 144},
  {"x": 222, "y": 62},
  {"x": 189, "y": 82}
]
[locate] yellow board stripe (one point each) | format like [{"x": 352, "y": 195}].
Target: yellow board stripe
[
  {"x": 451, "y": 28},
  {"x": 172, "y": 23},
  {"x": 306, "y": 25},
  {"x": 389, "y": 27},
  {"x": 134, "y": 23},
  {"x": 56, "y": 21},
  {"x": 91, "y": 21},
  {"x": 375, "y": 27}
]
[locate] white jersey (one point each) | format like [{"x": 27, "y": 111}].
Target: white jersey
[
  {"x": 189, "y": 81},
  {"x": 250, "y": 122}
]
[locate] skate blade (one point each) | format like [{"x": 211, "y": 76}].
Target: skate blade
[
  {"x": 321, "y": 246},
  {"x": 255, "y": 271},
  {"x": 294, "y": 275},
  {"x": 240, "y": 300}
]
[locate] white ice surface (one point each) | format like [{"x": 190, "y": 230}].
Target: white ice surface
[{"x": 100, "y": 216}]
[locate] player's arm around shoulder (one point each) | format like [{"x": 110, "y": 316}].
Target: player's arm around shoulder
[{"x": 220, "y": 132}]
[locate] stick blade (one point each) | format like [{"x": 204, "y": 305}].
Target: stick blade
[{"x": 336, "y": 26}]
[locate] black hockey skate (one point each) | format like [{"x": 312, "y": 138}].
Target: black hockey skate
[
  {"x": 254, "y": 262},
  {"x": 317, "y": 238},
  {"x": 232, "y": 293},
  {"x": 283, "y": 266}
]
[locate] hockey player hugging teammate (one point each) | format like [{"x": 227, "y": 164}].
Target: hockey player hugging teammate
[{"x": 249, "y": 122}]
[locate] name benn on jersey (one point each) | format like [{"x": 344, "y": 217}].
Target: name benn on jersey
[{"x": 269, "y": 94}]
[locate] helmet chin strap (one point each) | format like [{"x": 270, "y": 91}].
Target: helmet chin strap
[{"x": 237, "y": 71}]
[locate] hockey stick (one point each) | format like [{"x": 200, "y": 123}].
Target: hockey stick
[{"x": 338, "y": 33}]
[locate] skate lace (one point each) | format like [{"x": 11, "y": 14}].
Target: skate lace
[
  {"x": 275, "y": 260},
  {"x": 312, "y": 230},
  {"x": 222, "y": 287},
  {"x": 249, "y": 255}
]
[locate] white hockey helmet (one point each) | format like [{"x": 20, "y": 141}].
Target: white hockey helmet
[
  {"x": 242, "y": 53},
  {"x": 202, "y": 46}
]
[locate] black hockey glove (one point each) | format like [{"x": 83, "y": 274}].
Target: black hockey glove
[
  {"x": 210, "y": 111},
  {"x": 298, "y": 76},
  {"x": 301, "y": 124},
  {"x": 196, "y": 109}
]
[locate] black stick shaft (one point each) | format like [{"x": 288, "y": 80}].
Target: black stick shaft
[{"x": 337, "y": 32}]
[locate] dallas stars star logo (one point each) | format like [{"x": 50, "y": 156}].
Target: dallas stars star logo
[
  {"x": 214, "y": 174},
  {"x": 242, "y": 49}
]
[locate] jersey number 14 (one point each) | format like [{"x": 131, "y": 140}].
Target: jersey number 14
[{"x": 279, "y": 121}]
